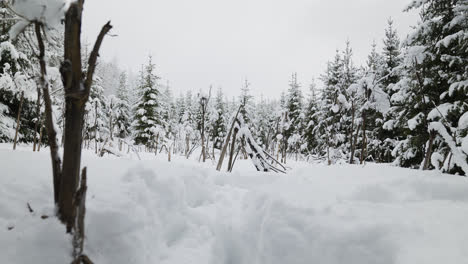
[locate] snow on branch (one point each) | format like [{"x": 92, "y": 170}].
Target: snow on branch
[
  {"x": 459, "y": 157},
  {"x": 49, "y": 13}
]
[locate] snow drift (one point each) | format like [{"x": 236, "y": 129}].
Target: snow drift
[{"x": 182, "y": 212}]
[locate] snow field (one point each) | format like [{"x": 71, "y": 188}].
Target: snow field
[{"x": 152, "y": 211}]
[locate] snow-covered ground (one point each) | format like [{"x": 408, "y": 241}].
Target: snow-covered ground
[{"x": 153, "y": 211}]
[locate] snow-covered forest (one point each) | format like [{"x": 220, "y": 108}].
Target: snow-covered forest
[{"x": 405, "y": 107}]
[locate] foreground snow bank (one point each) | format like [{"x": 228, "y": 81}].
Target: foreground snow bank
[{"x": 158, "y": 212}]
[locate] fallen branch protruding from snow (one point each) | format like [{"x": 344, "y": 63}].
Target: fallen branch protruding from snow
[{"x": 29, "y": 208}]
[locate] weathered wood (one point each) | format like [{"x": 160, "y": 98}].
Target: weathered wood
[
  {"x": 51, "y": 133},
  {"x": 226, "y": 143},
  {"x": 429, "y": 150},
  {"x": 41, "y": 130},
  {"x": 231, "y": 152},
  {"x": 76, "y": 95},
  {"x": 38, "y": 117},
  {"x": 80, "y": 211}
]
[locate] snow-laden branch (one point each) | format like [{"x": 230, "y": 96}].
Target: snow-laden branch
[
  {"x": 48, "y": 13},
  {"x": 458, "y": 156}
]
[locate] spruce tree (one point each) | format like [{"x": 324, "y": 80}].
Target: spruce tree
[
  {"x": 295, "y": 117},
  {"x": 311, "y": 118},
  {"x": 391, "y": 74},
  {"x": 218, "y": 117},
  {"x": 147, "y": 121},
  {"x": 247, "y": 104},
  {"x": 123, "y": 111},
  {"x": 435, "y": 63},
  {"x": 328, "y": 129}
]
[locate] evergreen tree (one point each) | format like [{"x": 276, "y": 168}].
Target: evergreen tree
[
  {"x": 391, "y": 57},
  {"x": 17, "y": 90},
  {"x": 434, "y": 64},
  {"x": 96, "y": 116},
  {"x": 391, "y": 75},
  {"x": 218, "y": 117},
  {"x": 247, "y": 104},
  {"x": 167, "y": 111},
  {"x": 328, "y": 126},
  {"x": 147, "y": 121},
  {"x": 373, "y": 103},
  {"x": 295, "y": 117},
  {"x": 123, "y": 108},
  {"x": 311, "y": 118}
]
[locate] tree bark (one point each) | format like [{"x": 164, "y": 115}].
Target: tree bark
[
  {"x": 41, "y": 130},
  {"x": 231, "y": 152},
  {"x": 76, "y": 95},
  {"x": 96, "y": 130},
  {"x": 51, "y": 133},
  {"x": 429, "y": 150},
  {"x": 351, "y": 159},
  {"x": 364, "y": 139},
  {"x": 225, "y": 147},
  {"x": 18, "y": 120},
  {"x": 38, "y": 116}
]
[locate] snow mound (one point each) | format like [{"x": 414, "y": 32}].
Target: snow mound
[{"x": 153, "y": 211}]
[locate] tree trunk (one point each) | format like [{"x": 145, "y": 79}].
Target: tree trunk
[
  {"x": 51, "y": 133},
  {"x": 427, "y": 158},
  {"x": 111, "y": 125},
  {"x": 38, "y": 116},
  {"x": 228, "y": 138},
  {"x": 187, "y": 145},
  {"x": 353, "y": 144},
  {"x": 352, "y": 147},
  {"x": 203, "y": 133},
  {"x": 95, "y": 127},
  {"x": 77, "y": 91},
  {"x": 18, "y": 120},
  {"x": 41, "y": 130},
  {"x": 364, "y": 139},
  {"x": 231, "y": 152}
]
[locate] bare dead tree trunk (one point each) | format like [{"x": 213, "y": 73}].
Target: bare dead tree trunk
[
  {"x": 226, "y": 143},
  {"x": 213, "y": 149},
  {"x": 111, "y": 124},
  {"x": 156, "y": 145},
  {"x": 79, "y": 234},
  {"x": 203, "y": 150},
  {"x": 96, "y": 130},
  {"x": 18, "y": 120},
  {"x": 231, "y": 153},
  {"x": 364, "y": 139},
  {"x": 427, "y": 158},
  {"x": 169, "y": 154},
  {"x": 77, "y": 89},
  {"x": 41, "y": 130},
  {"x": 352, "y": 147},
  {"x": 51, "y": 133},
  {"x": 235, "y": 158}
]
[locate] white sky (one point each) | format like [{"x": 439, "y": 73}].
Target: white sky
[{"x": 196, "y": 43}]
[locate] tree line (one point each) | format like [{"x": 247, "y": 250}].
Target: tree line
[{"x": 407, "y": 105}]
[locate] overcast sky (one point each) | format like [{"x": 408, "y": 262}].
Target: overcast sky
[{"x": 196, "y": 43}]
